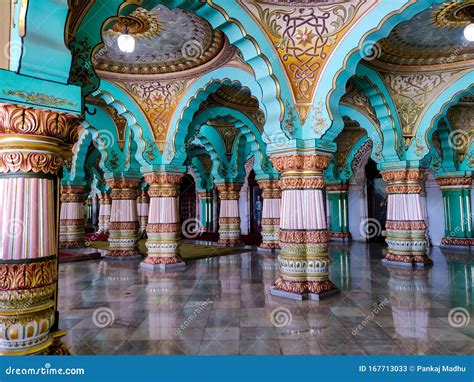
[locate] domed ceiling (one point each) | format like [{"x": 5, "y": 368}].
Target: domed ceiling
[
  {"x": 167, "y": 41},
  {"x": 434, "y": 36}
]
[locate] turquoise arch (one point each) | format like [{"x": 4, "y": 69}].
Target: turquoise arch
[
  {"x": 210, "y": 138},
  {"x": 375, "y": 25},
  {"x": 198, "y": 92},
  {"x": 204, "y": 182},
  {"x": 436, "y": 111}
]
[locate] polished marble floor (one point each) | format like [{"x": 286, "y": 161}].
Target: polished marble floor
[{"x": 221, "y": 305}]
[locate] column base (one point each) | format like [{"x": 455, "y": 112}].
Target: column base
[
  {"x": 58, "y": 347},
  {"x": 458, "y": 243},
  {"x": 340, "y": 236},
  {"x": 79, "y": 243},
  {"x": 230, "y": 243},
  {"x": 274, "y": 291},
  {"x": 405, "y": 261},
  {"x": 123, "y": 255},
  {"x": 304, "y": 290}
]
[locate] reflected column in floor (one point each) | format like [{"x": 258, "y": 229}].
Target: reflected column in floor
[
  {"x": 123, "y": 226},
  {"x": 229, "y": 219},
  {"x": 29, "y": 164},
  {"x": 303, "y": 259},
  {"x": 406, "y": 228},
  {"x": 71, "y": 223},
  {"x": 164, "y": 228},
  {"x": 271, "y": 196}
]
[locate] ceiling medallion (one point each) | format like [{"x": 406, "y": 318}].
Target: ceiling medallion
[
  {"x": 455, "y": 15},
  {"x": 142, "y": 24}
]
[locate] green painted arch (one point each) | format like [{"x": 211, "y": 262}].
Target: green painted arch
[
  {"x": 204, "y": 182},
  {"x": 209, "y": 137},
  {"x": 268, "y": 73},
  {"x": 343, "y": 61},
  {"x": 198, "y": 92},
  {"x": 44, "y": 53},
  {"x": 461, "y": 86}
]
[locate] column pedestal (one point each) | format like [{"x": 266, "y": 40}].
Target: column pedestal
[
  {"x": 303, "y": 259},
  {"x": 271, "y": 196},
  {"x": 72, "y": 223},
  {"x": 457, "y": 212},
  {"x": 229, "y": 219},
  {"x": 123, "y": 227},
  {"x": 164, "y": 228},
  {"x": 405, "y": 226}
]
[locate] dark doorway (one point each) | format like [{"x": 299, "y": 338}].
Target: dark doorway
[
  {"x": 256, "y": 205},
  {"x": 376, "y": 200},
  {"x": 187, "y": 199}
]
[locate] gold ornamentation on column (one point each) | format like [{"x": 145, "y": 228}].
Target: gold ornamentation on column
[{"x": 229, "y": 191}]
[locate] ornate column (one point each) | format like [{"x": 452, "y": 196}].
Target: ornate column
[
  {"x": 229, "y": 220},
  {"x": 457, "y": 211},
  {"x": 72, "y": 222},
  {"x": 271, "y": 195},
  {"x": 123, "y": 226},
  {"x": 405, "y": 226},
  {"x": 207, "y": 210},
  {"x": 164, "y": 228},
  {"x": 105, "y": 203},
  {"x": 143, "y": 207},
  {"x": 338, "y": 197},
  {"x": 303, "y": 259},
  {"x": 33, "y": 146}
]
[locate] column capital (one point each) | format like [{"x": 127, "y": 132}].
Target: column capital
[
  {"x": 73, "y": 194},
  {"x": 305, "y": 165},
  {"x": 339, "y": 187},
  {"x": 404, "y": 181},
  {"x": 163, "y": 184},
  {"x": 450, "y": 182},
  {"x": 229, "y": 191}
]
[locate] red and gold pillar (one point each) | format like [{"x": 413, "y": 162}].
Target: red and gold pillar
[
  {"x": 105, "y": 203},
  {"x": 33, "y": 146},
  {"x": 72, "y": 223},
  {"x": 405, "y": 226},
  {"x": 271, "y": 196},
  {"x": 123, "y": 226},
  {"x": 229, "y": 219},
  {"x": 303, "y": 259},
  {"x": 164, "y": 228}
]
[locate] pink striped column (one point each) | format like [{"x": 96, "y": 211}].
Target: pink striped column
[
  {"x": 123, "y": 227},
  {"x": 72, "y": 223},
  {"x": 405, "y": 226},
  {"x": 33, "y": 145},
  {"x": 143, "y": 207},
  {"x": 303, "y": 259},
  {"x": 105, "y": 203},
  {"x": 229, "y": 219},
  {"x": 163, "y": 229},
  {"x": 271, "y": 196}
]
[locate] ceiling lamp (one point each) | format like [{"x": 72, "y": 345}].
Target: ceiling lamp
[
  {"x": 469, "y": 32},
  {"x": 126, "y": 42}
]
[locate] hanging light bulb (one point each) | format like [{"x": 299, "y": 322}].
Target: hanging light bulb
[
  {"x": 126, "y": 42},
  {"x": 469, "y": 32}
]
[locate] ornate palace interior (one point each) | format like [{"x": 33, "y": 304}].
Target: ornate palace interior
[{"x": 236, "y": 177}]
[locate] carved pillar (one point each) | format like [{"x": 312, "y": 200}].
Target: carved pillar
[
  {"x": 207, "y": 210},
  {"x": 33, "y": 146},
  {"x": 405, "y": 226},
  {"x": 143, "y": 207},
  {"x": 72, "y": 222},
  {"x": 271, "y": 196},
  {"x": 164, "y": 228},
  {"x": 457, "y": 211},
  {"x": 229, "y": 220},
  {"x": 105, "y": 203},
  {"x": 303, "y": 259},
  {"x": 338, "y": 196},
  {"x": 123, "y": 226}
]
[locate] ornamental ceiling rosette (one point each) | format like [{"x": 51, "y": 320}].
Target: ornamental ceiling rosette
[{"x": 304, "y": 34}]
